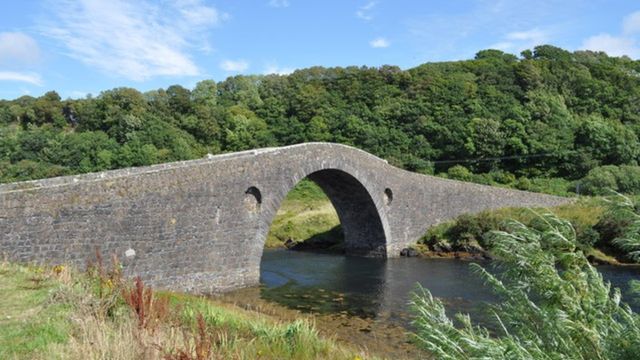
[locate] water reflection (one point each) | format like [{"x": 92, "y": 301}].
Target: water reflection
[{"x": 379, "y": 288}]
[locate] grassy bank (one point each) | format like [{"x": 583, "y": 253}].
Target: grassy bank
[
  {"x": 306, "y": 214},
  {"x": 54, "y": 313},
  {"x": 307, "y": 219},
  {"x": 595, "y": 228}
]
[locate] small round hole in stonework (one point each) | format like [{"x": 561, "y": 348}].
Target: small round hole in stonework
[
  {"x": 252, "y": 199},
  {"x": 388, "y": 196}
]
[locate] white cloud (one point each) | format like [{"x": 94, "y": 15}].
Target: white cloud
[
  {"x": 613, "y": 45},
  {"x": 503, "y": 45},
  {"x": 234, "y": 65},
  {"x": 520, "y": 40},
  {"x": 625, "y": 44},
  {"x": 27, "y": 77},
  {"x": 379, "y": 43},
  {"x": 631, "y": 23},
  {"x": 279, "y": 3},
  {"x": 17, "y": 48},
  {"x": 364, "y": 12},
  {"x": 136, "y": 40},
  {"x": 445, "y": 33},
  {"x": 529, "y": 35},
  {"x": 275, "y": 69}
]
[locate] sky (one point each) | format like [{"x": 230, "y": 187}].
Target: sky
[{"x": 82, "y": 47}]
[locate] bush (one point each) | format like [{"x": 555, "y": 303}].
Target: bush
[
  {"x": 553, "y": 304},
  {"x": 523, "y": 183},
  {"x": 604, "y": 179},
  {"x": 459, "y": 172},
  {"x": 625, "y": 231},
  {"x": 469, "y": 229},
  {"x": 503, "y": 177}
]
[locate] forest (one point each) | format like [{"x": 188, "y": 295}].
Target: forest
[{"x": 546, "y": 120}]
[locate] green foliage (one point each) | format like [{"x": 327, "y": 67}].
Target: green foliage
[
  {"x": 534, "y": 123},
  {"x": 27, "y": 327},
  {"x": 626, "y": 233},
  {"x": 553, "y": 304},
  {"x": 605, "y": 179},
  {"x": 307, "y": 218},
  {"x": 585, "y": 215},
  {"x": 469, "y": 229},
  {"x": 459, "y": 172}
]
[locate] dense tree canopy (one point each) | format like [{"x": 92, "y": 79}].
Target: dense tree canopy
[{"x": 547, "y": 114}]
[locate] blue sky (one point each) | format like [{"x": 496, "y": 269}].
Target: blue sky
[{"x": 85, "y": 46}]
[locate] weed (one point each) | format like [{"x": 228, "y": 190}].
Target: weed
[{"x": 149, "y": 310}]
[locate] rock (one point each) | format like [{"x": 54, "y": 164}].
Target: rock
[
  {"x": 593, "y": 260},
  {"x": 409, "y": 252},
  {"x": 290, "y": 243},
  {"x": 469, "y": 248},
  {"x": 441, "y": 247},
  {"x": 474, "y": 249}
]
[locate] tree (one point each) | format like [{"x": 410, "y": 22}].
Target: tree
[
  {"x": 179, "y": 99},
  {"x": 205, "y": 93}
]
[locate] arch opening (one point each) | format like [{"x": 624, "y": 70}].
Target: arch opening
[
  {"x": 252, "y": 199},
  {"x": 360, "y": 227}
]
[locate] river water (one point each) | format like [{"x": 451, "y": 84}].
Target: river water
[{"x": 379, "y": 288}]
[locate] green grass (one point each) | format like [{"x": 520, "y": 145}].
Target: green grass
[
  {"x": 29, "y": 322},
  {"x": 553, "y": 304},
  {"x": 49, "y": 315},
  {"x": 305, "y": 213},
  {"x": 583, "y": 214}
]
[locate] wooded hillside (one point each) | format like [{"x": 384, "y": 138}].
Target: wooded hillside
[{"x": 539, "y": 121}]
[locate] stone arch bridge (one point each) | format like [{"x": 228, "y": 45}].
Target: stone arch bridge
[{"x": 200, "y": 225}]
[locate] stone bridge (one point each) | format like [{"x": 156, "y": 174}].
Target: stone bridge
[{"x": 201, "y": 225}]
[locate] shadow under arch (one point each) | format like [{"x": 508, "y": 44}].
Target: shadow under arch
[{"x": 364, "y": 233}]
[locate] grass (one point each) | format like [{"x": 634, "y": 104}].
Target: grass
[
  {"x": 307, "y": 217},
  {"x": 29, "y": 324},
  {"x": 306, "y": 212},
  {"x": 583, "y": 214},
  {"x": 50, "y": 314},
  {"x": 553, "y": 304}
]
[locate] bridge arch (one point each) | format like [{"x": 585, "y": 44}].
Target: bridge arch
[{"x": 359, "y": 207}]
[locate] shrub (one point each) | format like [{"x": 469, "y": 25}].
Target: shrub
[
  {"x": 587, "y": 237},
  {"x": 503, "y": 177},
  {"x": 604, "y": 179},
  {"x": 459, "y": 172},
  {"x": 468, "y": 229},
  {"x": 553, "y": 304},
  {"x": 627, "y": 239},
  {"x": 523, "y": 184}
]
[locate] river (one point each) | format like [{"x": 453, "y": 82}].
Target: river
[
  {"x": 379, "y": 288},
  {"x": 362, "y": 302}
]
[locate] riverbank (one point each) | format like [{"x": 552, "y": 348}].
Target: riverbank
[
  {"x": 56, "y": 313},
  {"x": 375, "y": 334},
  {"x": 307, "y": 221}
]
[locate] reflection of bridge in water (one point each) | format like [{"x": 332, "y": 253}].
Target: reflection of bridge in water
[
  {"x": 367, "y": 286},
  {"x": 200, "y": 225}
]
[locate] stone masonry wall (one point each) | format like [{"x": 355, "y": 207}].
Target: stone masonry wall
[{"x": 200, "y": 225}]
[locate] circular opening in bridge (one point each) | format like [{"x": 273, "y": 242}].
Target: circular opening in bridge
[
  {"x": 388, "y": 196},
  {"x": 252, "y": 199}
]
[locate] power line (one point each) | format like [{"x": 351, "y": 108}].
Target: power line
[{"x": 512, "y": 157}]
